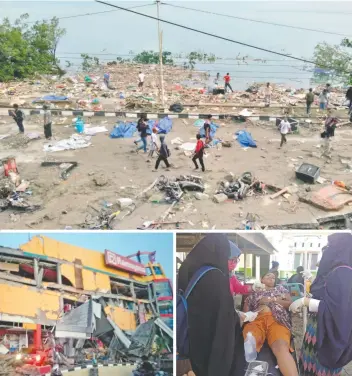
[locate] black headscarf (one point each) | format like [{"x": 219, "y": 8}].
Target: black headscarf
[
  {"x": 216, "y": 341},
  {"x": 333, "y": 287}
]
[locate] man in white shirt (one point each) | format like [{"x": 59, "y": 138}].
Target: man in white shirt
[
  {"x": 285, "y": 127},
  {"x": 268, "y": 91},
  {"x": 141, "y": 79}
]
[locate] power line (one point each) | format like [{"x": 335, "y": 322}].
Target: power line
[
  {"x": 215, "y": 36},
  {"x": 251, "y": 20},
  {"x": 91, "y": 14}
]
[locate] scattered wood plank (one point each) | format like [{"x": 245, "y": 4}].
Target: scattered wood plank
[{"x": 281, "y": 192}]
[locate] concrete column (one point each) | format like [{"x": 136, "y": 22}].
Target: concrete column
[
  {"x": 38, "y": 337},
  {"x": 257, "y": 268}
]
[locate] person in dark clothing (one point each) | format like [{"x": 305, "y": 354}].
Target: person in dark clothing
[
  {"x": 215, "y": 334},
  {"x": 309, "y": 100},
  {"x": 207, "y": 129},
  {"x": 298, "y": 277},
  {"x": 146, "y": 366},
  {"x": 198, "y": 153},
  {"x": 349, "y": 97},
  {"x": 142, "y": 127},
  {"x": 275, "y": 270},
  {"x": 17, "y": 115},
  {"x": 164, "y": 154}
]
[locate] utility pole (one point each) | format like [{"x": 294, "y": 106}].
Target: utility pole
[{"x": 160, "y": 37}]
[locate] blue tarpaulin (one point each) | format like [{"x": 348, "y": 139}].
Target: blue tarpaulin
[
  {"x": 51, "y": 98},
  {"x": 245, "y": 139},
  {"x": 213, "y": 129},
  {"x": 163, "y": 126},
  {"x": 123, "y": 130}
]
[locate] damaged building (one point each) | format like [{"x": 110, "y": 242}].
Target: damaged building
[{"x": 56, "y": 294}]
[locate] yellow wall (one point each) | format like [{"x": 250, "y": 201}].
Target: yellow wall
[
  {"x": 43, "y": 305},
  {"x": 45, "y": 246},
  {"x": 124, "y": 318}
]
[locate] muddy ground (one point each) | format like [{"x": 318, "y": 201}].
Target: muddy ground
[{"x": 124, "y": 173}]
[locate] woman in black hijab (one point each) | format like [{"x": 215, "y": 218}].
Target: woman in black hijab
[{"x": 215, "y": 335}]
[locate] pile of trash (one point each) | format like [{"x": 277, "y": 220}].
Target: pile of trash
[
  {"x": 16, "y": 141},
  {"x": 238, "y": 188},
  {"x": 140, "y": 102},
  {"x": 12, "y": 189},
  {"x": 174, "y": 188},
  {"x": 8, "y": 365}
]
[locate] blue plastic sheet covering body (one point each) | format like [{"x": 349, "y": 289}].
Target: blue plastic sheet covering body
[
  {"x": 213, "y": 129},
  {"x": 51, "y": 98},
  {"x": 124, "y": 130},
  {"x": 245, "y": 139}
]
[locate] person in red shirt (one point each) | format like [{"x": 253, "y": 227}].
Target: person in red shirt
[
  {"x": 227, "y": 80},
  {"x": 236, "y": 287},
  {"x": 198, "y": 153}
]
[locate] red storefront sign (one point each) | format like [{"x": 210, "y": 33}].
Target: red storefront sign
[{"x": 123, "y": 263}]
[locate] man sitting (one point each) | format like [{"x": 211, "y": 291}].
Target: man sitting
[{"x": 273, "y": 323}]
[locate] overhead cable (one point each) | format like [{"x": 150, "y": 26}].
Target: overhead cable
[{"x": 252, "y": 20}]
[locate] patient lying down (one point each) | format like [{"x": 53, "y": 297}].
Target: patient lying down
[{"x": 273, "y": 322}]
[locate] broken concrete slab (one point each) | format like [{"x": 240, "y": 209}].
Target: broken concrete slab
[{"x": 219, "y": 198}]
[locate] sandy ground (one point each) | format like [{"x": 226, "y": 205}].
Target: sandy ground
[{"x": 67, "y": 203}]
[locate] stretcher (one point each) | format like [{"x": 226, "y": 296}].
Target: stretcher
[{"x": 266, "y": 355}]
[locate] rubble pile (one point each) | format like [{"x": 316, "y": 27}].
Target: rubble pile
[
  {"x": 174, "y": 188},
  {"x": 8, "y": 365},
  {"x": 16, "y": 141},
  {"x": 238, "y": 188},
  {"x": 193, "y": 89}
]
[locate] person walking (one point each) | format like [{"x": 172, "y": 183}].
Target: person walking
[
  {"x": 329, "y": 133},
  {"x": 47, "y": 122},
  {"x": 141, "y": 77},
  {"x": 285, "y": 128},
  {"x": 327, "y": 345},
  {"x": 153, "y": 143},
  {"x": 227, "y": 80},
  {"x": 349, "y": 98},
  {"x": 268, "y": 92},
  {"x": 309, "y": 100},
  {"x": 142, "y": 127},
  {"x": 214, "y": 327},
  {"x": 323, "y": 100},
  {"x": 164, "y": 154},
  {"x": 199, "y": 153},
  {"x": 18, "y": 116},
  {"x": 207, "y": 130}
]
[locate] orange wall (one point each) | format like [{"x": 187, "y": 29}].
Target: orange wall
[{"x": 43, "y": 305}]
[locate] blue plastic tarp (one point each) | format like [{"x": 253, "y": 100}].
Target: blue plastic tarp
[
  {"x": 213, "y": 129},
  {"x": 165, "y": 125},
  {"x": 51, "y": 98},
  {"x": 245, "y": 139},
  {"x": 123, "y": 130}
]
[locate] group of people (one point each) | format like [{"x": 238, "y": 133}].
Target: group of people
[
  {"x": 217, "y": 332},
  {"x": 163, "y": 150},
  {"x": 18, "y": 117}
]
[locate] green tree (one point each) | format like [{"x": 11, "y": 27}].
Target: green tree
[
  {"x": 336, "y": 59},
  {"x": 26, "y": 50},
  {"x": 195, "y": 57},
  {"x": 151, "y": 57},
  {"x": 89, "y": 62}
]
